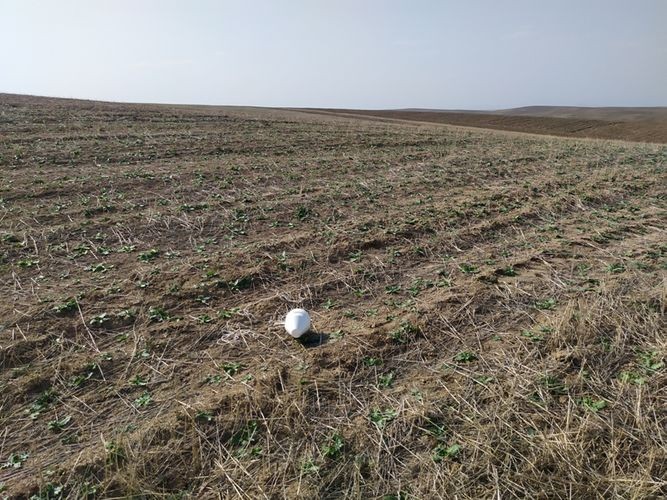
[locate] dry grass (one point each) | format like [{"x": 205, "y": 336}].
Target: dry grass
[{"x": 489, "y": 310}]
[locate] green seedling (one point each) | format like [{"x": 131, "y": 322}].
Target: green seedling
[
  {"x": 593, "y": 405},
  {"x": 442, "y": 452},
  {"x": 144, "y": 400},
  {"x": 546, "y": 304},
  {"x": 57, "y": 425},
  {"x": 554, "y": 385},
  {"x": 405, "y": 333},
  {"x": 232, "y": 368},
  {"x": 650, "y": 361},
  {"x": 26, "y": 263},
  {"x": 158, "y": 314},
  {"x": 213, "y": 379},
  {"x": 334, "y": 446},
  {"x": 228, "y": 313},
  {"x": 616, "y": 268},
  {"x": 16, "y": 460},
  {"x": 245, "y": 438},
  {"x": 508, "y": 271},
  {"x": 310, "y": 467},
  {"x": 465, "y": 357},
  {"x": 139, "y": 380},
  {"x": 149, "y": 255},
  {"x": 68, "y": 306},
  {"x": 99, "y": 268},
  {"x": 42, "y": 402},
  {"x": 100, "y": 319},
  {"x": 468, "y": 269},
  {"x": 387, "y": 380},
  {"x": 370, "y": 361},
  {"x": 382, "y": 417},
  {"x": 204, "y": 416},
  {"x": 114, "y": 453},
  {"x": 355, "y": 256}
]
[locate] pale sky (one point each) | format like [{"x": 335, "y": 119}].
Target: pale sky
[{"x": 465, "y": 54}]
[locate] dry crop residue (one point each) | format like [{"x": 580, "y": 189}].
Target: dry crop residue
[{"x": 488, "y": 310}]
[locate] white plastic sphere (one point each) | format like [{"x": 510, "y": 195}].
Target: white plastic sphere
[{"x": 297, "y": 322}]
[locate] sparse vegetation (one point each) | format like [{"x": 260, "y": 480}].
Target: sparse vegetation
[{"x": 489, "y": 309}]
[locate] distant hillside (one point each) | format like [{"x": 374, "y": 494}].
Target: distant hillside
[
  {"x": 629, "y": 124},
  {"x": 647, "y": 124},
  {"x": 625, "y": 114}
]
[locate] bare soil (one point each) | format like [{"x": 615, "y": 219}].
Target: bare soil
[
  {"x": 488, "y": 310},
  {"x": 628, "y": 124}
]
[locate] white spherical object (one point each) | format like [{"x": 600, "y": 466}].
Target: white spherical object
[{"x": 297, "y": 322}]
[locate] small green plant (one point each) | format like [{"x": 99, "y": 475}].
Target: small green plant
[
  {"x": 650, "y": 361},
  {"x": 213, "y": 379},
  {"x": 337, "y": 335},
  {"x": 310, "y": 467},
  {"x": 57, "y": 425},
  {"x": 553, "y": 385},
  {"x": 100, "y": 319},
  {"x": 532, "y": 336},
  {"x": 68, "y": 306},
  {"x": 245, "y": 438},
  {"x": 204, "y": 319},
  {"x": 126, "y": 314},
  {"x": 149, "y": 255},
  {"x": 42, "y": 402},
  {"x": 302, "y": 213},
  {"x": 370, "y": 361},
  {"x": 88, "y": 371},
  {"x": 593, "y": 405},
  {"x": 158, "y": 314},
  {"x": 99, "y": 268},
  {"x": 239, "y": 284},
  {"x": 442, "y": 452},
  {"x": 616, "y": 268},
  {"x": 204, "y": 416},
  {"x": 465, "y": 357},
  {"x": 328, "y": 304},
  {"x": 26, "y": 263},
  {"x": 508, "y": 271},
  {"x": 7, "y": 237},
  {"x": 114, "y": 452},
  {"x": 632, "y": 377},
  {"x": 382, "y": 417},
  {"x": 228, "y": 313},
  {"x": 16, "y": 460},
  {"x": 334, "y": 446},
  {"x": 468, "y": 269},
  {"x": 355, "y": 256},
  {"x": 49, "y": 491},
  {"x": 406, "y": 332},
  {"x": 387, "y": 380},
  {"x": 203, "y": 299},
  {"x": 139, "y": 381},
  {"x": 144, "y": 400},
  {"x": 546, "y": 304},
  {"x": 232, "y": 368}
]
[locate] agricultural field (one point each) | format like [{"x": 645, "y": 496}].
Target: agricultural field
[
  {"x": 629, "y": 124},
  {"x": 488, "y": 309}
]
